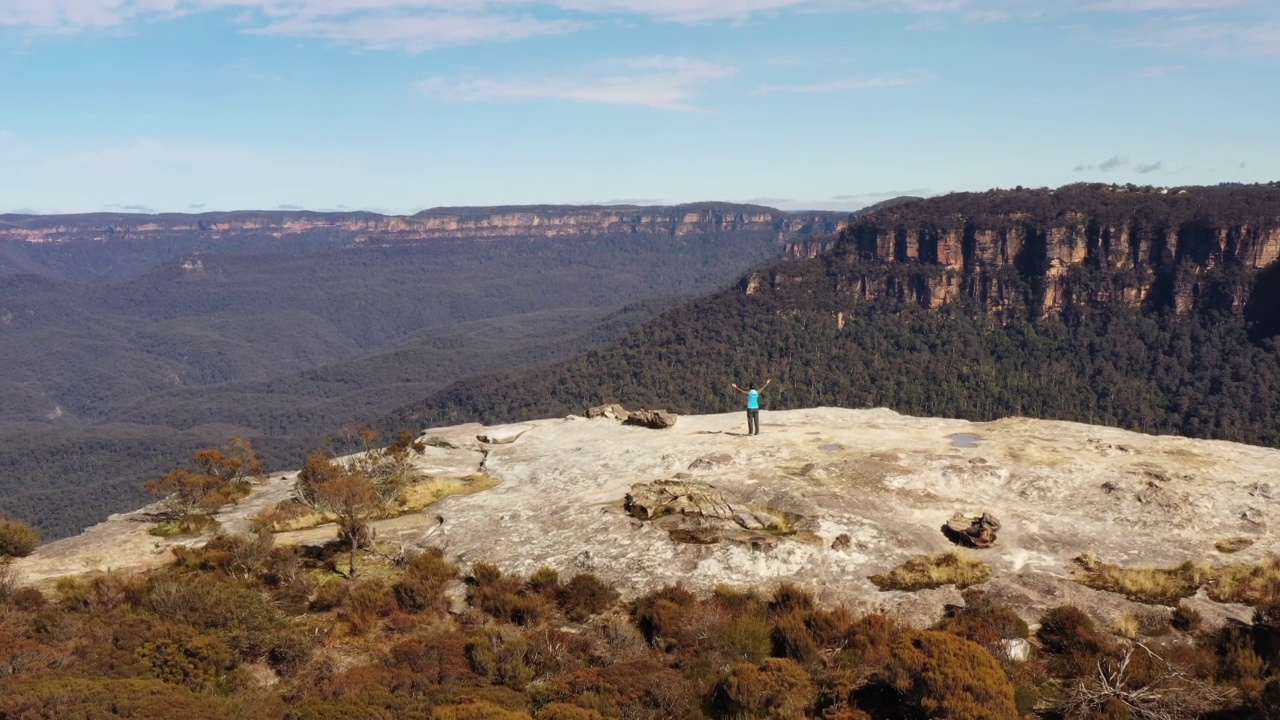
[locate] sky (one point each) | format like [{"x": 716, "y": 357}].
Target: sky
[{"x": 400, "y": 105}]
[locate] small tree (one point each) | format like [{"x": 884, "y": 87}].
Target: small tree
[
  {"x": 17, "y": 538},
  {"x": 353, "y": 501},
  {"x": 221, "y": 477}
]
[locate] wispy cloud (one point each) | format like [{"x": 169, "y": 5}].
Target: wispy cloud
[
  {"x": 1112, "y": 163},
  {"x": 1117, "y": 162},
  {"x": 664, "y": 83},
  {"x": 841, "y": 85},
  {"x": 134, "y": 208},
  {"x": 290, "y": 207},
  {"x": 1160, "y": 71}
]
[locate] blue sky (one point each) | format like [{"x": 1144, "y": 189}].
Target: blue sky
[{"x": 400, "y": 105}]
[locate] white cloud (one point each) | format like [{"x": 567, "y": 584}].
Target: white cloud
[
  {"x": 665, "y": 83},
  {"x": 840, "y": 85},
  {"x": 1239, "y": 27}
]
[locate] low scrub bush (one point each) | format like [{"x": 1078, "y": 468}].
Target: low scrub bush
[
  {"x": 585, "y": 595},
  {"x": 17, "y": 539},
  {"x": 778, "y": 689},
  {"x": 944, "y": 676},
  {"x": 930, "y": 571}
]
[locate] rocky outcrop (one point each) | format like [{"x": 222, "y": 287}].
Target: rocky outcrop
[
  {"x": 1038, "y": 253},
  {"x": 978, "y": 532},
  {"x": 652, "y": 419},
  {"x": 699, "y": 513}
]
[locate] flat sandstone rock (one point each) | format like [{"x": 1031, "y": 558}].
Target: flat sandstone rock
[{"x": 861, "y": 490}]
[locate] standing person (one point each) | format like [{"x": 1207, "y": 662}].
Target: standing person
[{"x": 753, "y": 406}]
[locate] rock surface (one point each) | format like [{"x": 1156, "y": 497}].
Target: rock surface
[{"x": 872, "y": 483}]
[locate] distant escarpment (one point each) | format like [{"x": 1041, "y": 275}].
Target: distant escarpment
[
  {"x": 109, "y": 247},
  {"x": 1039, "y": 253}
]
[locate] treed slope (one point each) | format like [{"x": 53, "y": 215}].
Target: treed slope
[
  {"x": 105, "y": 385},
  {"x": 811, "y": 326}
]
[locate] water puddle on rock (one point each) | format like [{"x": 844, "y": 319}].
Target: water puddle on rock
[
  {"x": 831, "y": 447},
  {"x": 965, "y": 440}
]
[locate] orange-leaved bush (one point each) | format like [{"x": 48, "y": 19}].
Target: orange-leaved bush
[{"x": 950, "y": 678}]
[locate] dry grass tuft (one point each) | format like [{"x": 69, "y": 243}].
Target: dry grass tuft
[
  {"x": 930, "y": 571},
  {"x": 1248, "y": 584},
  {"x": 292, "y": 515},
  {"x": 1232, "y": 545}
]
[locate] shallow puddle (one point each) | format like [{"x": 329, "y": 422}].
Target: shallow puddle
[
  {"x": 831, "y": 448},
  {"x": 964, "y": 440}
]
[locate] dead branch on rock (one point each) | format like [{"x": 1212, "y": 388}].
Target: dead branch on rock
[{"x": 1161, "y": 692}]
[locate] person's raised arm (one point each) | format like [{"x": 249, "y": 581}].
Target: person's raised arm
[
  {"x": 766, "y": 384},
  {"x": 735, "y": 387}
]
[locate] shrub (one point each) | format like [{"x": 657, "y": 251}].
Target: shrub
[
  {"x": 931, "y": 571},
  {"x": 585, "y": 595},
  {"x": 501, "y": 656},
  {"x": 777, "y": 689},
  {"x": 561, "y": 711},
  {"x": 181, "y": 656},
  {"x": 440, "y": 659},
  {"x": 1186, "y": 619},
  {"x": 545, "y": 580},
  {"x": 368, "y": 601},
  {"x": 790, "y": 598},
  {"x": 950, "y": 678},
  {"x": 477, "y": 711},
  {"x": 329, "y": 595},
  {"x": 792, "y": 639},
  {"x": 17, "y": 539},
  {"x": 747, "y": 638},
  {"x": 658, "y": 613},
  {"x": 1065, "y": 629},
  {"x": 423, "y": 584}
]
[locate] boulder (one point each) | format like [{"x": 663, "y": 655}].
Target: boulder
[
  {"x": 979, "y": 532},
  {"x": 652, "y": 419},
  {"x": 612, "y": 412}
]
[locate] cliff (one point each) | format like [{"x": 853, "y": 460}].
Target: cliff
[
  {"x": 437, "y": 224},
  {"x": 1039, "y": 253}
]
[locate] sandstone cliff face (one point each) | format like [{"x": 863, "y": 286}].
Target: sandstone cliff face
[
  {"x": 1030, "y": 253},
  {"x": 445, "y": 223}
]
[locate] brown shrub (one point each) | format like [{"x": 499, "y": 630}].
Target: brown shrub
[
  {"x": 439, "y": 659},
  {"x": 368, "y": 602},
  {"x": 561, "y": 711},
  {"x": 869, "y": 642},
  {"x": 477, "y": 711},
  {"x": 738, "y": 602},
  {"x": 423, "y": 584},
  {"x": 984, "y": 622},
  {"x": 658, "y": 614},
  {"x": 944, "y": 676},
  {"x": 502, "y": 656},
  {"x": 330, "y": 595},
  {"x": 1186, "y": 619},
  {"x": 17, "y": 538},
  {"x": 585, "y": 595},
  {"x": 790, "y": 598},
  {"x": 181, "y": 656},
  {"x": 545, "y": 580},
  {"x": 792, "y": 639},
  {"x": 778, "y": 689}
]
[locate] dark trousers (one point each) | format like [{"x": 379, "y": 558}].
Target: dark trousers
[{"x": 753, "y": 422}]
